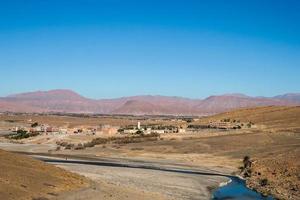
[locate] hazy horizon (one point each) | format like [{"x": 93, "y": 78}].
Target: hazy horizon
[
  {"x": 67, "y": 89},
  {"x": 110, "y": 49}
]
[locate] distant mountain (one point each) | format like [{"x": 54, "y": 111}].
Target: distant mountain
[
  {"x": 67, "y": 101},
  {"x": 140, "y": 107},
  {"x": 217, "y": 104},
  {"x": 53, "y": 101},
  {"x": 59, "y": 95},
  {"x": 295, "y": 97},
  {"x": 158, "y": 105}
]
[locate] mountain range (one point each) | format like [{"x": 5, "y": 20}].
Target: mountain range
[{"x": 68, "y": 101}]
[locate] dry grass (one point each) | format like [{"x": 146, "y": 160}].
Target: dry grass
[
  {"x": 22, "y": 177},
  {"x": 71, "y": 121},
  {"x": 273, "y": 117},
  {"x": 111, "y": 140}
]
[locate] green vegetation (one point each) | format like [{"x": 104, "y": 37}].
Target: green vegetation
[
  {"x": 10, "y": 121},
  {"x": 246, "y": 168},
  {"x": 263, "y": 182},
  {"x": 112, "y": 140},
  {"x": 21, "y": 134},
  {"x": 35, "y": 124},
  {"x": 226, "y": 120},
  {"x": 139, "y": 132},
  {"x": 246, "y": 162}
]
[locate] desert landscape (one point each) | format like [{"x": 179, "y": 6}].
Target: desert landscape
[
  {"x": 149, "y": 100},
  {"x": 191, "y": 162}
]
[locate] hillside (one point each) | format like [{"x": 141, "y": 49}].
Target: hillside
[
  {"x": 217, "y": 104},
  {"x": 290, "y": 96},
  {"x": 277, "y": 117},
  {"x": 139, "y": 107},
  {"x": 22, "y": 177}
]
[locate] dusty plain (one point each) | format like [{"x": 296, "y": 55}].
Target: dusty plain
[{"x": 273, "y": 146}]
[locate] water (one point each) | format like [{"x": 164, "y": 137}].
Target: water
[{"x": 237, "y": 190}]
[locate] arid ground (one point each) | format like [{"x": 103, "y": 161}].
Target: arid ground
[{"x": 273, "y": 146}]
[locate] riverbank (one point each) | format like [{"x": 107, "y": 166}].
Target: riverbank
[
  {"x": 234, "y": 188},
  {"x": 220, "y": 153},
  {"x": 138, "y": 177},
  {"x": 277, "y": 176}
]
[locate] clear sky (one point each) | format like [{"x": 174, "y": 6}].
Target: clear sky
[{"x": 113, "y": 48}]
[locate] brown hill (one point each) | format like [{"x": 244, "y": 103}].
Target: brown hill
[
  {"x": 67, "y": 101},
  {"x": 295, "y": 97},
  {"x": 217, "y": 104},
  {"x": 157, "y": 105},
  {"x": 139, "y": 107},
  {"x": 63, "y": 95},
  {"x": 6, "y": 105},
  {"x": 22, "y": 177},
  {"x": 53, "y": 101},
  {"x": 275, "y": 117}
]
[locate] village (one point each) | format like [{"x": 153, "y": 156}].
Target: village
[
  {"x": 194, "y": 141},
  {"x": 33, "y": 128}
]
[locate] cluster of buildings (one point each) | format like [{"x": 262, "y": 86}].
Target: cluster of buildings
[
  {"x": 51, "y": 130},
  {"x": 100, "y": 130},
  {"x": 221, "y": 124},
  {"x": 39, "y": 128},
  {"x": 148, "y": 129}
]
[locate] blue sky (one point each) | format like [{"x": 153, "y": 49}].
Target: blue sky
[{"x": 114, "y": 48}]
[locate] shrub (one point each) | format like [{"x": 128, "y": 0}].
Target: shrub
[
  {"x": 139, "y": 132},
  {"x": 69, "y": 146},
  {"x": 63, "y": 144},
  {"x": 263, "y": 182},
  {"x": 121, "y": 130},
  {"x": 35, "y": 124},
  {"x": 88, "y": 144},
  {"x": 21, "y": 134},
  {"x": 123, "y": 140},
  {"x": 79, "y": 147},
  {"x": 137, "y": 149},
  {"x": 246, "y": 162}
]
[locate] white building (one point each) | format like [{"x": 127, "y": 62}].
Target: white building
[{"x": 139, "y": 125}]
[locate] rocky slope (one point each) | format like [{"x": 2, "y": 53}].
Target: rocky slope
[{"x": 278, "y": 176}]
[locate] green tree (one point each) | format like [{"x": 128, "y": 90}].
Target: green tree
[{"x": 35, "y": 124}]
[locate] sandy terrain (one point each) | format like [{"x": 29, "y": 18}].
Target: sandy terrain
[
  {"x": 22, "y": 177},
  {"x": 131, "y": 177},
  {"x": 273, "y": 146},
  {"x": 217, "y": 153},
  {"x": 273, "y": 118},
  {"x": 140, "y": 183},
  {"x": 7, "y": 121}
]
